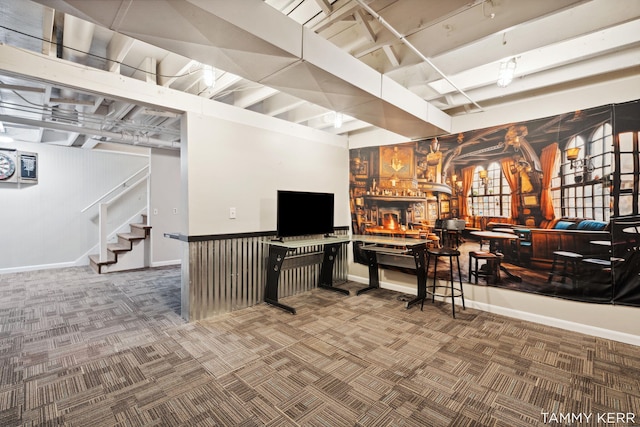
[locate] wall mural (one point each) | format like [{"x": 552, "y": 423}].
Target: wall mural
[{"x": 554, "y": 200}]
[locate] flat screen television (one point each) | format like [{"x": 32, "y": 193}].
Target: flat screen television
[{"x": 301, "y": 213}]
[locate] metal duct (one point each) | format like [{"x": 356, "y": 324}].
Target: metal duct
[{"x": 255, "y": 41}]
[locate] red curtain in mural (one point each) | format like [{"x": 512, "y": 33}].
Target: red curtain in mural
[
  {"x": 467, "y": 181},
  {"x": 512, "y": 180},
  {"x": 547, "y": 159}
]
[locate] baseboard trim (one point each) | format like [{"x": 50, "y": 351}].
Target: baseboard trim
[
  {"x": 523, "y": 315},
  {"x": 166, "y": 263},
  {"x": 78, "y": 263},
  {"x": 23, "y": 269},
  {"x": 558, "y": 323}
]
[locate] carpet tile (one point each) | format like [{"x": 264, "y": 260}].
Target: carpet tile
[{"x": 81, "y": 349}]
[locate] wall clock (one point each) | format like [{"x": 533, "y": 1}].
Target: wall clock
[{"x": 7, "y": 166}]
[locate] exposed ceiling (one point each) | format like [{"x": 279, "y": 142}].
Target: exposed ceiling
[{"x": 406, "y": 66}]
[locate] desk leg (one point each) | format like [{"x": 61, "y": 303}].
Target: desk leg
[
  {"x": 374, "y": 281},
  {"x": 419, "y": 253},
  {"x": 276, "y": 258},
  {"x": 326, "y": 270}
]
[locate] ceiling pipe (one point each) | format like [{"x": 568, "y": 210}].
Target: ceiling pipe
[
  {"x": 415, "y": 50},
  {"x": 122, "y": 137}
]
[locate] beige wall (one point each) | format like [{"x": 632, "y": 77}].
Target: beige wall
[{"x": 230, "y": 164}]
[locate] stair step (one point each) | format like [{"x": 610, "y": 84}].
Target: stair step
[
  {"x": 96, "y": 259},
  {"x": 116, "y": 247},
  {"x": 143, "y": 229},
  {"x": 130, "y": 236},
  {"x": 139, "y": 231}
]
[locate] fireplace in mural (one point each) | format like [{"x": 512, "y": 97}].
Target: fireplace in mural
[
  {"x": 391, "y": 218},
  {"x": 383, "y": 214}
]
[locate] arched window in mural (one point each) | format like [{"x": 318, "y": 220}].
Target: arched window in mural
[
  {"x": 556, "y": 185},
  {"x": 580, "y": 184},
  {"x": 628, "y": 200},
  {"x": 490, "y": 192},
  {"x": 601, "y": 152}
]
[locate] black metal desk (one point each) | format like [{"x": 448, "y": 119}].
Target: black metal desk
[
  {"x": 414, "y": 248},
  {"x": 278, "y": 251}
]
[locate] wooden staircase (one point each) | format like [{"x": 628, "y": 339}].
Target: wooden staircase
[{"x": 128, "y": 243}]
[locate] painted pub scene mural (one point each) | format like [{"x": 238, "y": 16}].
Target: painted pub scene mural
[{"x": 555, "y": 201}]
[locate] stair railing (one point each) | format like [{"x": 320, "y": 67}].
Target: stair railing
[{"x": 103, "y": 215}]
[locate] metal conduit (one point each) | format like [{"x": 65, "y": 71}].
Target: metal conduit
[{"x": 415, "y": 50}]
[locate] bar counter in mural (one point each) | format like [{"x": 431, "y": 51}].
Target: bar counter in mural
[{"x": 556, "y": 199}]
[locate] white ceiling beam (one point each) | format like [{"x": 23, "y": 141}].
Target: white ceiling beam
[
  {"x": 173, "y": 67},
  {"x": 325, "y": 6},
  {"x": 189, "y": 83},
  {"x": 223, "y": 83},
  {"x": 48, "y": 43},
  {"x": 249, "y": 97},
  {"x": 21, "y": 88},
  {"x": 470, "y": 25},
  {"x": 391, "y": 56},
  {"x": 365, "y": 27},
  {"x": 347, "y": 127},
  {"x": 117, "y": 50},
  {"x": 70, "y": 101},
  {"x": 119, "y": 109},
  {"x": 617, "y": 38},
  {"x": 343, "y": 10},
  {"x": 549, "y": 32},
  {"x": 280, "y": 103},
  {"x": 121, "y": 88},
  {"x": 146, "y": 70},
  {"x": 305, "y": 113},
  {"x": 557, "y": 76}
]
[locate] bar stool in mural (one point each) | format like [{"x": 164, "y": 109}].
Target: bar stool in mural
[{"x": 491, "y": 267}]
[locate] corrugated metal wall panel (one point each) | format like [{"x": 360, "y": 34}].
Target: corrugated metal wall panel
[{"x": 228, "y": 274}]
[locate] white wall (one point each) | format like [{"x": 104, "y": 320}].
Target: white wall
[
  {"x": 611, "y": 92},
  {"x": 165, "y": 212},
  {"x": 232, "y": 164},
  {"x": 42, "y": 224}
]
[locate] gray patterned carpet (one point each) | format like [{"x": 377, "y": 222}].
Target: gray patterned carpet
[{"x": 81, "y": 349}]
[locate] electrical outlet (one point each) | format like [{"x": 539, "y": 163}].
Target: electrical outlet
[{"x": 232, "y": 213}]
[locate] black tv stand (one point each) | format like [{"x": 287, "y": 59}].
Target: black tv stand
[{"x": 278, "y": 251}]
